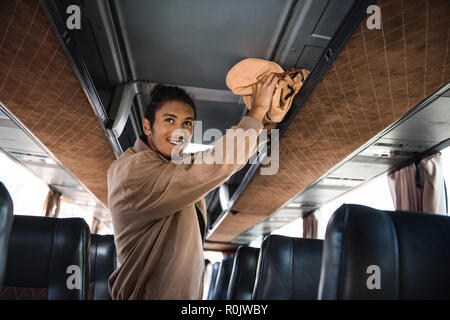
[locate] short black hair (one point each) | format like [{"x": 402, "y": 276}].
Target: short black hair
[{"x": 162, "y": 94}]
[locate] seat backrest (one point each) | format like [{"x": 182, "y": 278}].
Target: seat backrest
[
  {"x": 103, "y": 261},
  {"x": 50, "y": 253},
  {"x": 212, "y": 282},
  {"x": 288, "y": 269},
  {"x": 373, "y": 254},
  {"x": 6, "y": 220},
  {"x": 243, "y": 274},
  {"x": 223, "y": 279}
]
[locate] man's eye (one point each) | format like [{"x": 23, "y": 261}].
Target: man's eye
[
  {"x": 170, "y": 120},
  {"x": 188, "y": 123}
]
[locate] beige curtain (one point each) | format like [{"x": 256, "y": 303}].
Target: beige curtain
[
  {"x": 52, "y": 203},
  {"x": 310, "y": 226},
  {"x": 420, "y": 187},
  {"x": 95, "y": 225}
]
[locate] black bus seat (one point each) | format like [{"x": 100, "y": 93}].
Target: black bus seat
[
  {"x": 212, "y": 282},
  {"x": 374, "y": 254},
  {"x": 243, "y": 274},
  {"x": 51, "y": 254},
  {"x": 103, "y": 261},
  {"x": 6, "y": 220},
  {"x": 223, "y": 279},
  {"x": 288, "y": 269}
]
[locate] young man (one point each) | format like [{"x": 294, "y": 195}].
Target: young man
[{"x": 158, "y": 207}]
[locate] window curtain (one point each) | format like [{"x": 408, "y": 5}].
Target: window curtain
[
  {"x": 420, "y": 187},
  {"x": 310, "y": 226},
  {"x": 52, "y": 203},
  {"x": 95, "y": 225}
]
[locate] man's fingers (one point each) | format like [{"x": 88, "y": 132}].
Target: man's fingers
[
  {"x": 254, "y": 89},
  {"x": 274, "y": 81},
  {"x": 269, "y": 79}
]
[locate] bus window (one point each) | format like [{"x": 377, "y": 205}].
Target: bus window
[
  {"x": 27, "y": 191},
  {"x": 374, "y": 194}
]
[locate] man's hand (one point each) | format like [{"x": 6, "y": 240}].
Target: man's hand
[{"x": 262, "y": 96}]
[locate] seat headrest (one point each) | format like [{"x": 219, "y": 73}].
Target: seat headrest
[
  {"x": 243, "y": 274},
  {"x": 6, "y": 221},
  {"x": 373, "y": 254},
  {"x": 223, "y": 279},
  {"x": 40, "y": 252},
  {"x": 103, "y": 261},
  {"x": 288, "y": 269}
]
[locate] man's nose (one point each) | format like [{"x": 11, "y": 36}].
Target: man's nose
[{"x": 180, "y": 134}]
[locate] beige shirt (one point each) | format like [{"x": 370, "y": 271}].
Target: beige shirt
[{"x": 157, "y": 231}]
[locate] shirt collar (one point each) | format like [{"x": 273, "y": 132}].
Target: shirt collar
[{"x": 140, "y": 145}]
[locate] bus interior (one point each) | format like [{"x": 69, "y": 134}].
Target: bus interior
[{"x": 362, "y": 153}]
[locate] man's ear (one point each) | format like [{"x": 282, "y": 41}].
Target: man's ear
[{"x": 146, "y": 127}]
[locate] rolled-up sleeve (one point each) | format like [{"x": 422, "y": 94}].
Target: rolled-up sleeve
[{"x": 165, "y": 188}]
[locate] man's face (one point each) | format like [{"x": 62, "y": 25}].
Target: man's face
[{"x": 174, "y": 124}]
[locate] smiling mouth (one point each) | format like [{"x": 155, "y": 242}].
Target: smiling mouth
[{"x": 175, "y": 142}]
